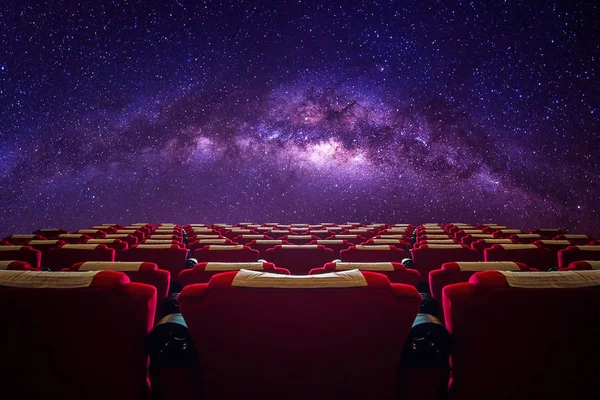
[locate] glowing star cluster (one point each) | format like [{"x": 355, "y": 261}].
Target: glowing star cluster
[{"x": 302, "y": 113}]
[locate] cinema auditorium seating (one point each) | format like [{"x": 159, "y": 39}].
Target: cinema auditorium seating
[
  {"x": 12, "y": 265},
  {"x": 400, "y": 244},
  {"x": 202, "y": 272},
  {"x": 481, "y": 244},
  {"x": 348, "y": 324},
  {"x": 534, "y": 256},
  {"x": 116, "y": 244},
  {"x": 578, "y": 253},
  {"x": 227, "y": 253},
  {"x": 460, "y": 272},
  {"x": 21, "y": 253},
  {"x": 576, "y": 239},
  {"x": 354, "y": 239},
  {"x": 83, "y": 335},
  {"x": 525, "y": 238},
  {"x": 582, "y": 266},
  {"x": 21, "y": 239},
  {"x": 64, "y": 256},
  {"x": 170, "y": 257},
  {"x": 50, "y": 233},
  {"x": 299, "y": 239},
  {"x": 548, "y": 233},
  {"x": 262, "y": 245},
  {"x": 428, "y": 257},
  {"x": 554, "y": 245},
  {"x": 246, "y": 239},
  {"x": 299, "y": 259},
  {"x": 524, "y": 335},
  {"x": 93, "y": 233},
  {"x": 125, "y": 237},
  {"x": 396, "y": 272}
]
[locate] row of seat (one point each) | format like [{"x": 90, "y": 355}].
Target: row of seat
[{"x": 341, "y": 334}]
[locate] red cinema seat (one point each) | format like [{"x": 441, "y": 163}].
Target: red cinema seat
[
  {"x": 73, "y": 238},
  {"x": 428, "y": 236},
  {"x": 127, "y": 238},
  {"x": 278, "y": 233},
  {"x": 482, "y": 244},
  {"x": 167, "y": 257},
  {"x": 492, "y": 228},
  {"x": 162, "y": 242},
  {"x": 468, "y": 239},
  {"x": 515, "y": 334},
  {"x": 116, "y": 244},
  {"x": 262, "y": 245},
  {"x": 153, "y": 237},
  {"x": 45, "y": 245},
  {"x": 346, "y": 324},
  {"x": 435, "y": 241},
  {"x": 578, "y": 253},
  {"x": 202, "y": 272},
  {"x": 396, "y": 272},
  {"x": 227, "y": 253},
  {"x": 12, "y": 265},
  {"x": 354, "y": 239},
  {"x": 140, "y": 272},
  {"x": 63, "y": 257},
  {"x": 200, "y": 243},
  {"x": 22, "y": 239},
  {"x": 525, "y": 238},
  {"x": 299, "y": 239},
  {"x": 548, "y": 233},
  {"x": 335, "y": 245},
  {"x": 93, "y": 233},
  {"x": 578, "y": 240},
  {"x": 21, "y": 253},
  {"x": 133, "y": 232},
  {"x": 460, "y": 272},
  {"x": 459, "y": 234},
  {"x": 534, "y": 256},
  {"x": 320, "y": 234},
  {"x": 83, "y": 335},
  {"x": 50, "y": 233},
  {"x": 246, "y": 239},
  {"x": 300, "y": 259},
  {"x": 431, "y": 256},
  {"x": 366, "y": 233},
  {"x": 400, "y": 244},
  {"x": 374, "y": 253},
  {"x": 505, "y": 233},
  {"x": 237, "y": 232},
  {"x": 554, "y": 245},
  {"x": 582, "y": 266}
]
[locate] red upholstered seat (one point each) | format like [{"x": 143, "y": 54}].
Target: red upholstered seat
[
  {"x": 548, "y": 233},
  {"x": 300, "y": 259},
  {"x": 428, "y": 257},
  {"x": 481, "y": 244},
  {"x": 299, "y": 239},
  {"x": 167, "y": 257},
  {"x": 471, "y": 238},
  {"x": 344, "y": 341},
  {"x": 22, "y": 239},
  {"x": 140, "y": 272},
  {"x": 400, "y": 244},
  {"x": 262, "y": 245},
  {"x": 21, "y": 253},
  {"x": 505, "y": 233},
  {"x": 335, "y": 245},
  {"x": 373, "y": 253},
  {"x": 74, "y": 335},
  {"x": 459, "y": 272},
  {"x": 525, "y": 238},
  {"x": 514, "y": 337},
  {"x": 582, "y": 266},
  {"x": 202, "y": 272},
  {"x": 93, "y": 233},
  {"x": 578, "y": 253},
  {"x": 534, "y": 256},
  {"x": 396, "y": 272},
  {"x": 50, "y": 233},
  {"x": 246, "y": 239},
  {"x": 576, "y": 239},
  {"x": 125, "y": 237},
  {"x": 12, "y": 265},
  {"x": 69, "y": 254},
  {"x": 554, "y": 245},
  {"x": 321, "y": 234},
  {"x": 227, "y": 253},
  {"x": 73, "y": 238},
  {"x": 354, "y": 239},
  {"x": 200, "y": 243},
  {"x": 116, "y": 244}
]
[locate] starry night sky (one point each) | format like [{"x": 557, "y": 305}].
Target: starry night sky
[{"x": 191, "y": 112}]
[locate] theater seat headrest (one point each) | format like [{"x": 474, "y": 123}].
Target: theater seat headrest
[
  {"x": 4, "y": 264},
  {"x": 498, "y": 241},
  {"x": 254, "y": 279},
  {"x": 61, "y": 280},
  {"x": 588, "y": 248},
  {"x": 233, "y": 266},
  {"x": 268, "y": 241},
  {"x": 70, "y": 236},
  {"x": 575, "y": 236},
  {"x": 115, "y": 266},
  {"x": 102, "y": 241},
  {"x": 300, "y": 246},
  {"x": 443, "y": 246},
  {"x": 559, "y": 280},
  {"x": 39, "y": 242},
  {"x": 22, "y": 236},
  {"x": 83, "y": 246},
  {"x": 483, "y": 236},
  {"x": 156, "y": 246},
  {"x": 330, "y": 241},
  {"x": 225, "y": 247},
  {"x": 10, "y": 248},
  {"x": 252, "y": 236},
  {"x": 517, "y": 246},
  {"x": 486, "y": 266},
  {"x": 373, "y": 247},
  {"x": 366, "y": 266},
  {"x": 562, "y": 242}
]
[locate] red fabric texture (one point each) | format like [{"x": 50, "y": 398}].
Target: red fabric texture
[
  {"x": 171, "y": 260},
  {"x": 20, "y": 266},
  {"x": 340, "y": 343},
  {"x": 246, "y": 254},
  {"x": 578, "y": 266},
  {"x": 400, "y": 274},
  {"x": 539, "y": 258},
  {"x": 82, "y": 343},
  {"x": 59, "y": 257},
  {"x": 118, "y": 245},
  {"x": 571, "y": 254},
  {"x": 262, "y": 248},
  {"x": 517, "y": 343},
  {"x": 293, "y": 239},
  {"x": 552, "y": 246},
  {"x": 428, "y": 259},
  {"x": 198, "y": 274},
  {"x": 394, "y": 254},
  {"x": 299, "y": 261},
  {"x": 23, "y": 253},
  {"x": 481, "y": 245},
  {"x": 335, "y": 247}
]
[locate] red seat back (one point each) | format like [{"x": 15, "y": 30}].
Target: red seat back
[
  {"x": 578, "y": 253},
  {"x": 69, "y": 254},
  {"x": 170, "y": 258},
  {"x": 396, "y": 272},
  {"x": 534, "y": 256},
  {"x": 428, "y": 257},
  {"x": 21, "y": 253},
  {"x": 227, "y": 253},
  {"x": 202, "y": 272},
  {"x": 373, "y": 253},
  {"x": 299, "y": 259},
  {"x": 349, "y": 326}
]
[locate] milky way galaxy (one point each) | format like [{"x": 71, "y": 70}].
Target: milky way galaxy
[{"x": 300, "y": 112}]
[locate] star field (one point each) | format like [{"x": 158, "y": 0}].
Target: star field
[{"x": 412, "y": 111}]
